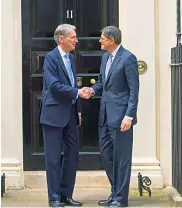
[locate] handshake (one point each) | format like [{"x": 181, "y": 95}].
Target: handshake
[{"x": 86, "y": 92}]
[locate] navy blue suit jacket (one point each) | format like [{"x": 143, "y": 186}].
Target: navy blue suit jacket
[
  {"x": 120, "y": 89},
  {"x": 57, "y": 93}
]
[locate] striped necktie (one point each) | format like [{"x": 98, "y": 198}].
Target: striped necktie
[
  {"x": 69, "y": 69},
  {"x": 108, "y": 65}
]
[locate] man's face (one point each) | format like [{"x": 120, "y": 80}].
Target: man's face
[
  {"x": 106, "y": 43},
  {"x": 69, "y": 41}
]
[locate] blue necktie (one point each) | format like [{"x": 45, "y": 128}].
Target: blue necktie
[{"x": 70, "y": 73}]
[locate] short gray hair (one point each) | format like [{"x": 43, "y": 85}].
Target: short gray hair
[
  {"x": 112, "y": 32},
  {"x": 63, "y": 29}
]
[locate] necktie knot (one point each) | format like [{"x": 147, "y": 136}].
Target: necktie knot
[{"x": 67, "y": 55}]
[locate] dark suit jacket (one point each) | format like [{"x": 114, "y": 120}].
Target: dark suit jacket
[
  {"x": 120, "y": 89},
  {"x": 57, "y": 93}
]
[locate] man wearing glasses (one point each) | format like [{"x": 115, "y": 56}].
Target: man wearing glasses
[{"x": 119, "y": 83}]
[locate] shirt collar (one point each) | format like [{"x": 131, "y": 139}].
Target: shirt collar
[
  {"x": 115, "y": 51},
  {"x": 63, "y": 53}
]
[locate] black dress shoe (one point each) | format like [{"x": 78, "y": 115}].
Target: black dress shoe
[
  {"x": 116, "y": 204},
  {"x": 55, "y": 204},
  {"x": 105, "y": 202},
  {"x": 70, "y": 202}
]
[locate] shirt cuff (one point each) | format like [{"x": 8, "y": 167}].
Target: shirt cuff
[
  {"x": 128, "y": 117},
  {"x": 77, "y": 94},
  {"x": 93, "y": 91}
]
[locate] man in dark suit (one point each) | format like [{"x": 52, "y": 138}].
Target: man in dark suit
[
  {"x": 119, "y": 83},
  {"x": 60, "y": 118}
]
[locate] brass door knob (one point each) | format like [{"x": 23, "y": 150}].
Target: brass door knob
[
  {"x": 92, "y": 81},
  {"x": 142, "y": 67}
]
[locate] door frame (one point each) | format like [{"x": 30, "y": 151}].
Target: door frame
[{"x": 38, "y": 164}]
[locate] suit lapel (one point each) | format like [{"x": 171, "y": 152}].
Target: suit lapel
[
  {"x": 115, "y": 62},
  {"x": 60, "y": 61},
  {"x": 104, "y": 65}
]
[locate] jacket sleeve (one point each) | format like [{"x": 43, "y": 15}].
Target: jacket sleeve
[
  {"x": 132, "y": 76},
  {"x": 59, "y": 90}
]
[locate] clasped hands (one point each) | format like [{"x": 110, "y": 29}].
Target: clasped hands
[{"x": 86, "y": 92}]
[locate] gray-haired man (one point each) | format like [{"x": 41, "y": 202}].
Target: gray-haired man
[
  {"x": 119, "y": 83},
  {"x": 60, "y": 118}
]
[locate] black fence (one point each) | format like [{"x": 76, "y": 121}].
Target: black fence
[
  {"x": 2, "y": 184},
  {"x": 176, "y": 85}
]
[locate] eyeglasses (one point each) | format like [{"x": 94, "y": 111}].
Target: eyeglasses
[{"x": 104, "y": 39}]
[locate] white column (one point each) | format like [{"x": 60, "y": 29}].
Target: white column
[
  {"x": 11, "y": 89},
  {"x": 138, "y": 23},
  {"x": 167, "y": 40}
]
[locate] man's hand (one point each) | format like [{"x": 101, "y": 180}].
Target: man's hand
[
  {"x": 81, "y": 93},
  {"x": 125, "y": 124},
  {"x": 86, "y": 92}
]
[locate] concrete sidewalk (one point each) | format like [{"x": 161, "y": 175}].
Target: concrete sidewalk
[{"x": 88, "y": 196}]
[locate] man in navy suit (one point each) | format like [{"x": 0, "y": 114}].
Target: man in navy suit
[
  {"x": 119, "y": 83},
  {"x": 60, "y": 118}
]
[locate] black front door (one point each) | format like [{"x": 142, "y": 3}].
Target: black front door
[{"x": 39, "y": 20}]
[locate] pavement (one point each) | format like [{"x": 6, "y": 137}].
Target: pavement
[{"x": 88, "y": 196}]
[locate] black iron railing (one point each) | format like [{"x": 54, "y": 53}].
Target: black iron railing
[
  {"x": 2, "y": 184},
  {"x": 176, "y": 85}
]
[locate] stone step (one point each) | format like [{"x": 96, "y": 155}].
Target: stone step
[
  {"x": 88, "y": 196},
  {"x": 96, "y": 179},
  {"x": 84, "y": 179}
]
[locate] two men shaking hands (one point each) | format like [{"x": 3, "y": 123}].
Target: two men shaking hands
[{"x": 118, "y": 82}]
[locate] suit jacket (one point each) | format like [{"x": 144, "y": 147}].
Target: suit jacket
[
  {"x": 120, "y": 89},
  {"x": 57, "y": 93}
]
